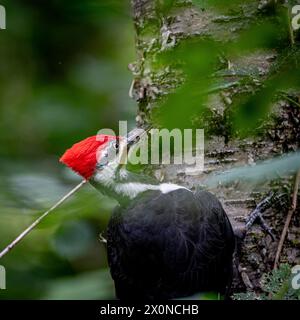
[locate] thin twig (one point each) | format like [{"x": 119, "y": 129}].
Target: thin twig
[
  {"x": 37, "y": 221},
  {"x": 288, "y": 219}
]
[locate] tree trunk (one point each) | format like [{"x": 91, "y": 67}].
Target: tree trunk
[{"x": 161, "y": 28}]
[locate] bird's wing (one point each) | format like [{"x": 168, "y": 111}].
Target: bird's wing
[{"x": 166, "y": 238}]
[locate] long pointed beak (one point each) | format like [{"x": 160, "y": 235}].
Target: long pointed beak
[
  {"x": 136, "y": 135},
  {"x": 133, "y": 137}
]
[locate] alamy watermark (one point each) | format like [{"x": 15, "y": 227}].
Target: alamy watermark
[
  {"x": 179, "y": 147},
  {"x": 296, "y": 17},
  {"x": 2, "y": 278},
  {"x": 2, "y": 17}
]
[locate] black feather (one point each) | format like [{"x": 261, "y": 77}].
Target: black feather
[{"x": 165, "y": 246}]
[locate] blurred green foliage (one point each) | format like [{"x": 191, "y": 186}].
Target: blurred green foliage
[
  {"x": 207, "y": 65},
  {"x": 63, "y": 75}
]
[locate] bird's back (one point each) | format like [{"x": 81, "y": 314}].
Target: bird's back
[{"x": 164, "y": 246}]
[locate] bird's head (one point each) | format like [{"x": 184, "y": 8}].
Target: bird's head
[{"x": 93, "y": 154}]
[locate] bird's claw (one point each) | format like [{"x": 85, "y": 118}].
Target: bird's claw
[{"x": 256, "y": 214}]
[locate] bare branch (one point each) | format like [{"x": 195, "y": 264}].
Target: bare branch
[
  {"x": 288, "y": 219},
  {"x": 37, "y": 221}
]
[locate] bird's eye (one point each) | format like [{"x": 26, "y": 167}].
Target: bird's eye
[
  {"x": 116, "y": 145},
  {"x": 100, "y": 166}
]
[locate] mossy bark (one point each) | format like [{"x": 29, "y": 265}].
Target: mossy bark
[{"x": 161, "y": 26}]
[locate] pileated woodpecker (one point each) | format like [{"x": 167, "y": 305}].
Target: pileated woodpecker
[{"x": 163, "y": 240}]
